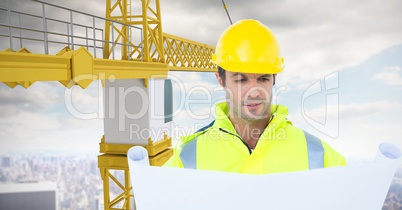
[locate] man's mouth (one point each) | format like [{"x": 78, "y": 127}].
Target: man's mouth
[{"x": 252, "y": 105}]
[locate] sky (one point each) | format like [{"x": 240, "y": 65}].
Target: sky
[{"x": 342, "y": 80}]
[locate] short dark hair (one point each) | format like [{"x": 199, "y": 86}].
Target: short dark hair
[{"x": 222, "y": 75}]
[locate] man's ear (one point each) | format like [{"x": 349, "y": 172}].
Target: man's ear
[
  {"x": 274, "y": 76},
  {"x": 218, "y": 78}
]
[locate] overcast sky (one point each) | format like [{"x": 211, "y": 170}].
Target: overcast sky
[{"x": 317, "y": 38}]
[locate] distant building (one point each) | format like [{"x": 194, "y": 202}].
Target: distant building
[
  {"x": 94, "y": 167},
  {"x": 100, "y": 204},
  {"x": 6, "y": 163},
  {"x": 33, "y": 196}
]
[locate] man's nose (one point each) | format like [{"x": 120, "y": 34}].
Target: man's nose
[{"x": 254, "y": 89}]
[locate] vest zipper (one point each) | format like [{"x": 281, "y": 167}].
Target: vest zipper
[{"x": 249, "y": 149}]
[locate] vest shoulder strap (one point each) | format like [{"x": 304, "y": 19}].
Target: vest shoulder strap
[{"x": 315, "y": 151}]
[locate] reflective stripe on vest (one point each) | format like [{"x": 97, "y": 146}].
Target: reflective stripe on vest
[
  {"x": 188, "y": 154},
  {"x": 315, "y": 151}
]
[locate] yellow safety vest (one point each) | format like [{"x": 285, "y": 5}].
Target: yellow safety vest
[{"x": 280, "y": 148}]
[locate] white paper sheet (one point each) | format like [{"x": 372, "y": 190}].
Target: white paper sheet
[{"x": 357, "y": 187}]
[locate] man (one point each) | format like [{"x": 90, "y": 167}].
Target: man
[{"x": 249, "y": 134}]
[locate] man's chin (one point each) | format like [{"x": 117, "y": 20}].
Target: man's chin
[{"x": 254, "y": 116}]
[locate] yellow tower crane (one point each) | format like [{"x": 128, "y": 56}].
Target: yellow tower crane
[{"x": 133, "y": 47}]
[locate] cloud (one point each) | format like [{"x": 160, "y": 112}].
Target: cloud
[
  {"x": 390, "y": 75},
  {"x": 200, "y": 113},
  {"x": 8, "y": 111},
  {"x": 316, "y": 38},
  {"x": 361, "y": 137},
  {"x": 360, "y": 128},
  {"x": 351, "y": 110},
  {"x": 84, "y": 102},
  {"x": 192, "y": 81},
  {"x": 364, "y": 109},
  {"x": 27, "y": 125},
  {"x": 39, "y": 97},
  {"x": 30, "y": 131},
  {"x": 191, "y": 88}
]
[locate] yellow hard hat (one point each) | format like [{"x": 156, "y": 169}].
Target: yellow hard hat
[{"x": 248, "y": 46}]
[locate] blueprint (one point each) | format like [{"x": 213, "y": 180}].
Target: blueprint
[{"x": 360, "y": 186}]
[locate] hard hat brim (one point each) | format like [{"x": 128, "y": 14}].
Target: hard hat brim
[{"x": 251, "y": 67}]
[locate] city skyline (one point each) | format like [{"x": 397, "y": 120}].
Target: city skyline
[{"x": 79, "y": 185}]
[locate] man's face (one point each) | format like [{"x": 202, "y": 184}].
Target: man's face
[{"x": 248, "y": 95}]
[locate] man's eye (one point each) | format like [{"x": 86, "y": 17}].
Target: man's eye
[
  {"x": 240, "y": 80},
  {"x": 265, "y": 79}
]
